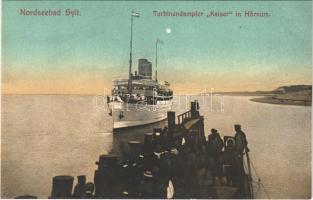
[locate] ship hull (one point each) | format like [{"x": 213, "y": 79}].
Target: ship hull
[{"x": 129, "y": 115}]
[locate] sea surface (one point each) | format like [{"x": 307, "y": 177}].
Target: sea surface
[{"x": 47, "y": 135}]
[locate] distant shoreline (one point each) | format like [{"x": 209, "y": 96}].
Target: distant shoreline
[
  {"x": 273, "y": 100},
  {"x": 298, "y": 95},
  {"x": 294, "y": 98}
]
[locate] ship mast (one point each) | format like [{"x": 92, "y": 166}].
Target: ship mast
[
  {"x": 133, "y": 14},
  {"x": 156, "y": 57}
]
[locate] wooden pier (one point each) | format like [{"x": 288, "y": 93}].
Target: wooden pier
[{"x": 171, "y": 162}]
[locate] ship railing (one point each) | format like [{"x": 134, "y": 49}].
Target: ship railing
[{"x": 183, "y": 117}]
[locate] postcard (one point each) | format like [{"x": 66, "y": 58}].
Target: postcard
[{"x": 156, "y": 99}]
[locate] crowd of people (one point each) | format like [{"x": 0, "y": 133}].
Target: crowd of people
[
  {"x": 164, "y": 167},
  {"x": 226, "y": 157}
]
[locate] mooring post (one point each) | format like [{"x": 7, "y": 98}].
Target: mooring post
[
  {"x": 62, "y": 187},
  {"x": 135, "y": 148},
  {"x": 148, "y": 143},
  {"x": 104, "y": 178},
  {"x": 194, "y": 107},
  {"x": 202, "y": 133},
  {"x": 171, "y": 122},
  {"x": 107, "y": 161}
]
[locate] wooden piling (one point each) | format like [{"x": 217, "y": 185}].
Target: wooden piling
[
  {"x": 105, "y": 177},
  {"x": 135, "y": 148},
  {"x": 106, "y": 161},
  {"x": 171, "y": 122},
  {"x": 62, "y": 187},
  {"x": 193, "y": 109},
  {"x": 149, "y": 142}
]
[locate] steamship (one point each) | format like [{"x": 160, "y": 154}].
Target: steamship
[{"x": 139, "y": 99}]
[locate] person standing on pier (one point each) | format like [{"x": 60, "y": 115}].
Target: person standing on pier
[
  {"x": 230, "y": 162},
  {"x": 79, "y": 190},
  {"x": 241, "y": 146},
  {"x": 215, "y": 146},
  {"x": 241, "y": 142}
]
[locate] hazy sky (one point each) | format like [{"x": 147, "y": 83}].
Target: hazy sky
[{"x": 82, "y": 55}]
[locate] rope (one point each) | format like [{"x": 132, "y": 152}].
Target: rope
[{"x": 259, "y": 181}]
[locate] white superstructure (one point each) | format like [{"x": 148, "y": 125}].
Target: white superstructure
[{"x": 139, "y": 99}]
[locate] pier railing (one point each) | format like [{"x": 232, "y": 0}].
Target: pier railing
[
  {"x": 193, "y": 112},
  {"x": 183, "y": 117}
]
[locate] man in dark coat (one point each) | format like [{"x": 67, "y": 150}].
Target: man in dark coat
[
  {"x": 79, "y": 190},
  {"x": 241, "y": 142},
  {"x": 215, "y": 143},
  {"x": 215, "y": 146},
  {"x": 230, "y": 162},
  {"x": 241, "y": 147}
]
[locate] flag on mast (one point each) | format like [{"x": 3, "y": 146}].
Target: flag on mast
[{"x": 135, "y": 14}]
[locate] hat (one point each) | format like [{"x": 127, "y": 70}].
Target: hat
[
  {"x": 148, "y": 174},
  {"x": 213, "y": 130},
  {"x": 237, "y": 126}
]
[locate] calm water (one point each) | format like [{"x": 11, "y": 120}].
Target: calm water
[{"x": 47, "y": 135}]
